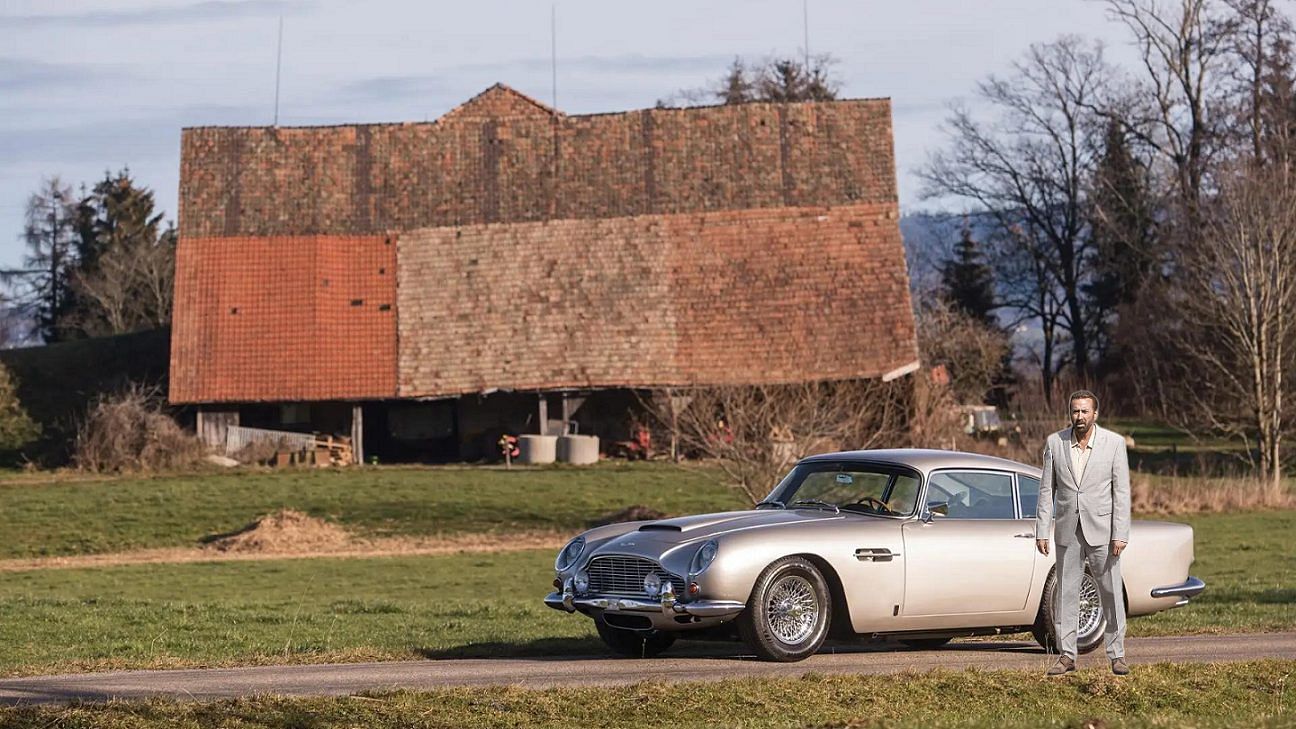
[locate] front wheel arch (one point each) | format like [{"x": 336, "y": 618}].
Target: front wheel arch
[
  {"x": 840, "y": 625},
  {"x": 779, "y": 604}
]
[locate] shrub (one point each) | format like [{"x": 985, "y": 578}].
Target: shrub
[
  {"x": 16, "y": 428},
  {"x": 129, "y": 431}
]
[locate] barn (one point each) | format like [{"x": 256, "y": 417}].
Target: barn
[{"x": 424, "y": 287}]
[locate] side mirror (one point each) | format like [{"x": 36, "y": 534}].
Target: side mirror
[{"x": 934, "y": 508}]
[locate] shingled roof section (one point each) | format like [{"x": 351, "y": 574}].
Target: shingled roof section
[
  {"x": 754, "y": 296},
  {"x": 504, "y": 158}
]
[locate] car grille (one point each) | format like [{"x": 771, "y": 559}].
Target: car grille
[{"x": 625, "y": 575}]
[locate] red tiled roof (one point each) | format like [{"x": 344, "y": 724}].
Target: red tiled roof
[{"x": 266, "y": 319}]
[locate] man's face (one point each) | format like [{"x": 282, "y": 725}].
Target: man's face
[{"x": 1083, "y": 415}]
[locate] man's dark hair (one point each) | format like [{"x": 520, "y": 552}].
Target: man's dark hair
[{"x": 1082, "y": 395}]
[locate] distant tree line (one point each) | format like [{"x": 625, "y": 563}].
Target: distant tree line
[
  {"x": 97, "y": 263},
  {"x": 1141, "y": 222},
  {"x": 772, "y": 79}
]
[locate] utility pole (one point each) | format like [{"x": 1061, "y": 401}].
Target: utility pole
[
  {"x": 805, "y": 27},
  {"x": 278, "y": 69}
]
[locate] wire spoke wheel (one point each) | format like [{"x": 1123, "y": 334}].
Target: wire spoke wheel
[
  {"x": 792, "y": 609},
  {"x": 1091, "y": 615}
]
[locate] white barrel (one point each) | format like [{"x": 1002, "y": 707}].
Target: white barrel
[
  {"x": 535, "y": 449},
  {"x": 580, "y": 450}
]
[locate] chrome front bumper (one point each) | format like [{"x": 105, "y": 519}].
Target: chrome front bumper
[
  {"x": 701, "y": 608},
  {"x": 1185, "y": 591}
]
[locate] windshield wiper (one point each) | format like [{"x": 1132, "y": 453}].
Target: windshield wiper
[
  {"x": 817, "y": 502},
  {"x": 770, "y": 502}
]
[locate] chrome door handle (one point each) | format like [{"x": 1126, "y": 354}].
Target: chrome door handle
[
  {"x": 875, "y": 554},
  {"x": 1023, "y": 536}
]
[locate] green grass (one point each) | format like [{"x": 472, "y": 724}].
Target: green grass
[
  {"x": 1255, "y": 694},
  {"x": 40, "y": 517},
  {"x": 1249, "y": 564},
  {"x": 318, "y": 610}
]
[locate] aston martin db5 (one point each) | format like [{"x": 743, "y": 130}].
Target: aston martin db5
[{"x": 915, "y": 546}]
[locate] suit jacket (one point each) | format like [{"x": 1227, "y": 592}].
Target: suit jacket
[{"x": 1100, "y": 502}]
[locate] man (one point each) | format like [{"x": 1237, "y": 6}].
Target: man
[{"x": 1085, "y": 492}]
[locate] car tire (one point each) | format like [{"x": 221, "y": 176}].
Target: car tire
[
  {"x": 633, "y": 643},
  {"x": 926, "y": 644},
  {"x": 789, "y": 612},
  {"x": 1044, "y": 631}
]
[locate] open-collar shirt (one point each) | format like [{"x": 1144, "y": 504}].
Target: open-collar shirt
[{"x": 1080, "y": 454}]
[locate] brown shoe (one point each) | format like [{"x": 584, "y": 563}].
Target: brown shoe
[
  {"x": 1064, "y": 665},
  {"x": 1120, "y": 667}
]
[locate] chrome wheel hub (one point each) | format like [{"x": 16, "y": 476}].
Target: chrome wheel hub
[
  {"x": 1091, "y": 614},
  {"x": 791, "y": 609}
]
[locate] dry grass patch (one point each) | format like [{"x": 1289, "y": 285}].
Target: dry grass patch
[
  {"x": 129, "y": 432},
  {"x": 1170, "y": 495}
]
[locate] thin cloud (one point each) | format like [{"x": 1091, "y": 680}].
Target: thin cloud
[
  {"x": 191, "y": 12},
  {"x": 459, "y": 82},
  {"x": 20, "y": 74}
]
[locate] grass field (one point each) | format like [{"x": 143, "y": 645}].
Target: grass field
[
  {"x": 1257, "y": 694},
  {"x": 65, "y": 517},
  {"x": 319, "y": 610}
]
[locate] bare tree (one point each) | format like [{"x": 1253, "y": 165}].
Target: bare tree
[
  {"x": 1239, "y": 294},
  {"x": 1176, "y": 108},
  {"x": 971, "y": 350},
  {"x": 1026, "y": 175},
  {"x": 754, "y": 433}
]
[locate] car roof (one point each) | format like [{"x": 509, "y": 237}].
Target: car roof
[{"x": 927, "y": 459}]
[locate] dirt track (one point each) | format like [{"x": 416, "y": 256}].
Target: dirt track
[
  {"x": 696, "y": 662},
  {"x": 371, "y": 548}
]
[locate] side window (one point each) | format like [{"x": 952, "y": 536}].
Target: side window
[
  {"x": 1028, "y": 494},
  {"x": 974, "y": 495}
]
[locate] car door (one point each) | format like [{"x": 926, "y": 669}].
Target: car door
[{"x": 974, "y": 558}]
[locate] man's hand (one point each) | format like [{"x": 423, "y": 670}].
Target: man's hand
[
  {"x": 1042, "y": 546},
  {"x": 1117, "y": 547}
]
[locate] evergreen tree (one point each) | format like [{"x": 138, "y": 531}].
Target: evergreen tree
[
  {"x": 737, "y": 86},
  {"x": 787, "y": 79},
  {"x": 968, "y": 282},
  {"x": 125, "y": 262},
  {"x": 1124, "y": 230},
  {"x": 44, "y": 288},
  {"x": 16, "y": 428}
]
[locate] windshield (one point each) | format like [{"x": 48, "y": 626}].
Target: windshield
[{"x": 858, "y": 487}]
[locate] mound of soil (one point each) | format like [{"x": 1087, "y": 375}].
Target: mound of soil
[
  {"x": 638, "y": 512},
  {"x": 285, "y": 531}
]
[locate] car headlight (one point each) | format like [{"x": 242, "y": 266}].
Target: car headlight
[
  {"x": 569, "y": 554},
  {"x": 705, "y": 555}
]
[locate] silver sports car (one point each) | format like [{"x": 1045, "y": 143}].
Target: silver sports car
[{"x": 916, "y": 545}]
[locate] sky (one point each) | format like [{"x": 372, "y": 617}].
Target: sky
[{"x": 89, "y": 87}]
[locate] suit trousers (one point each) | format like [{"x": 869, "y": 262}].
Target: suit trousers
[{"x": 1105, "y": 568}]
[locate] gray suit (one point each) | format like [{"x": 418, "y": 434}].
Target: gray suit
[{"x": 1090, "y": 514}]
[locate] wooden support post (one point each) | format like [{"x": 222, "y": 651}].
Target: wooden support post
[
  {"x": 544, "y": 414},
  {"x": 357, "y": 433}
]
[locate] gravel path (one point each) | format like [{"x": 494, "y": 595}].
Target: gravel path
[{"x": 697, "y": 662}]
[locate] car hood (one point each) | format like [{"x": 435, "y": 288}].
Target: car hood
[{"x": 688, "y": 528}]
